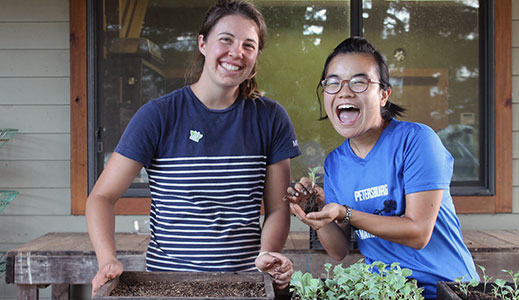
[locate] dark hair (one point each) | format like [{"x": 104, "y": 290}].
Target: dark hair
[
  {"x": 361, "y": 45},
  {"x": 249, "y": 87}
]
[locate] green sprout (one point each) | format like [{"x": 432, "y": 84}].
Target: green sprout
[{"x": 312, "y": 173}]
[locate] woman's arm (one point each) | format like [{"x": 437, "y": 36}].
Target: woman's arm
[
  {"x": 413, "y": 229},
  {"x": 113, "y": 182},
  {"x": 276, "y": 224}
]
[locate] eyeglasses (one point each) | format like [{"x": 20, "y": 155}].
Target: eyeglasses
[{"x": 356, "y": 84}]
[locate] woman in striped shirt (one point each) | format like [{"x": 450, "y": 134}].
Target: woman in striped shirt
[{"x": 213, "y": 150}]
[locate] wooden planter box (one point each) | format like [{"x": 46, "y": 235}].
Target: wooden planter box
[
  {"x": 446, "y": 290},
  {"x": 197, "y": 279}
]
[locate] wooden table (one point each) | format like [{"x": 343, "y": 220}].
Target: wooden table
[{"x": 61, "y": 259}]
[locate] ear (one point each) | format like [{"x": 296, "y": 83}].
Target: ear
[
  {"x": 201, "y": 44},
  {"x": 384, "y": 96}
]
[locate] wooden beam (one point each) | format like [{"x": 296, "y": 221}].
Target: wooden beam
[
  {"x": 78, "y": 107},
  {"x": 503, "y": 104}
]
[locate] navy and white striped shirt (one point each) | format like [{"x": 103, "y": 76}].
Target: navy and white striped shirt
[{"x": 206, "y": 170}]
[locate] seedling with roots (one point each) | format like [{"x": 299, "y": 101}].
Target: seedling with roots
[{"x": 311, "y": 202}]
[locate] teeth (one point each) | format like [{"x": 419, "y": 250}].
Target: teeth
[
  {"x": 347, "y": 106},
  {"x": 230, "y": 67}
]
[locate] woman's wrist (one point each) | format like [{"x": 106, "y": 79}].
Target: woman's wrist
[
  {"x": 347, "y": 215},
  {"x": 261, "y": 253}
]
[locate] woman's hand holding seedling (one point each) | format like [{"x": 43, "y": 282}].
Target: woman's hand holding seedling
[
  {"x": 307, "y": 202},
  {"x": 278, "y": 266}
]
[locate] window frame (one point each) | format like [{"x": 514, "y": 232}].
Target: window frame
[{"x": 499, "y": 202}]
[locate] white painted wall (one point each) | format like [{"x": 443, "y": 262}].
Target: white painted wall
[{"x": 34, "y": 97}]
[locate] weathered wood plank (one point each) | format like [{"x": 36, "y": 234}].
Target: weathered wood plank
[
  {"x": 509, "y": 237},
  {"x": 34, "y": 63},
  {"x": 52, "y": 35},
  {"x": 78, "y": 243},
  {"x": 35, "y": 174},
  {"x": 36, "y": 119},
  {"x": 27, "y": 292},
  {"x": 128, "y": 243},
  {"x": 39, "y": 91},
  {"x": 34, "y": 226},
  {"x": 494, "y": 262},
  {"x": 42, "y": 244},
  {"x": 483, "y": 241},
  {"x": 29, "y": 147},
  {"x": 72, "y": 269},
  {"x": 300, "y": 240},
  {"x": 33, "y": 10},
  {"x": 60, "y": 291}
]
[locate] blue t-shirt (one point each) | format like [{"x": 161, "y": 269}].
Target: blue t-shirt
[
  {"x": 206, "y": 170},
  {"x": 407, "y": 158}
]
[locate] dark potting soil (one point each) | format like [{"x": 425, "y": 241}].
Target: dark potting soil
[
  {"x": 311, "y": 204},
  {"x": 189, "y": 289},
  {"x": 476, "y": 295}
]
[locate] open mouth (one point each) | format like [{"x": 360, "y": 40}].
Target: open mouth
[
  {"x": 230, "y": 67},
  {"x": 348, "y": 113}
]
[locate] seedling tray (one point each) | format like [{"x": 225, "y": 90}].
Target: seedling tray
[
  {"x": 446, "y": 290},
  {"x": 195, "y": 279}
]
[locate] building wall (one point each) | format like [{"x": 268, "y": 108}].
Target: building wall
[{"x": 34, "y": 98}]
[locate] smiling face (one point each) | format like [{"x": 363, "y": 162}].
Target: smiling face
[
  {"x": 230, "y": 51},
  {"x": 355, "y": 115}
]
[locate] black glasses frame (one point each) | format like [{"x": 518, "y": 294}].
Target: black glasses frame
[{"x": 349, "y": 85}]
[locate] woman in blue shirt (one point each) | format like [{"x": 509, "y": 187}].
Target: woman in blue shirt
[{"x": 389, "y": 180}]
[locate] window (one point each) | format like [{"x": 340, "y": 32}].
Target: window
[
  {"x": 438, "y": 53},
  {"x": 443, "y": 62}
]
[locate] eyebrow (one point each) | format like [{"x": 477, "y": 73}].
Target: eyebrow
[
  {"x": 356, "y": 75},
  {"x": 247, "y": 39}
]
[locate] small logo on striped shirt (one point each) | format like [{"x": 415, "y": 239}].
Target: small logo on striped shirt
[{"x": 195, "y": 135}]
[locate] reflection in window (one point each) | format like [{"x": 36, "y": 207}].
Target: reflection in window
[{"x": 432, "y": 49}]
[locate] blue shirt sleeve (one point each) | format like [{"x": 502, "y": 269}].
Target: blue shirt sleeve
[
  {"x": 284, "y": 142},
  {"x": 142, "y": 135},
  {"x": 427, "y": 163}
]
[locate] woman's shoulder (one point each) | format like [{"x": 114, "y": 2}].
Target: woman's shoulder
[
  {"x": 416, "y": 135},
  {"x": 265, "y": 101},
  {"x": 163, "y": 104},
  {"x": 407, "y": 128},
  {"x": 266, "y": 106},
  {"x": 169, "y": 98}
]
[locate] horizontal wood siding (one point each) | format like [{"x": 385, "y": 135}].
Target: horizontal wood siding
[
  {"x": 34, "y": 63},
  {"x": 39, "y": 202},
  {"x": 42, "y": 91},
  {"x": 37, "y": 146},
  {"x": 34, "y": 173},
  {"x": 34, "y": 98},
  {"x": 29, "y": 35},
  {"x": 20, "y": 11}
]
